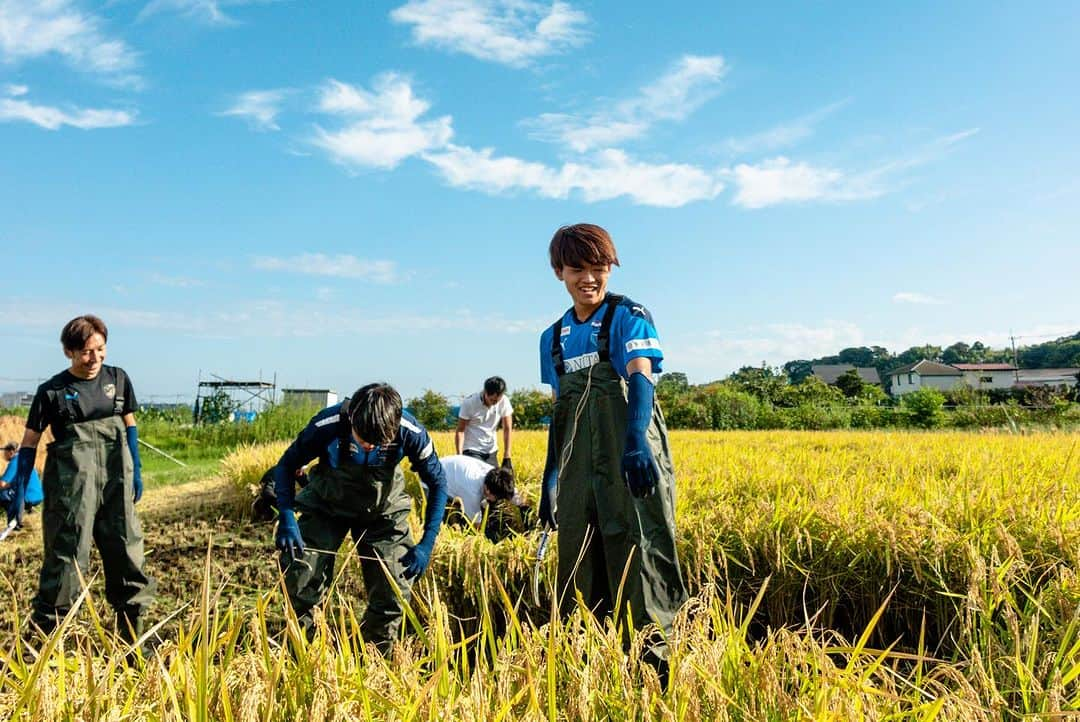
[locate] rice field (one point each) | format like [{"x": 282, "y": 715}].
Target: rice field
[{"x": 835, "y": 575}]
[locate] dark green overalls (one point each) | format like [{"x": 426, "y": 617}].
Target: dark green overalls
[
  {"x": 595, "y": 508},
  {"x": 370, "y": 501},
  {"x": 88, "y": 494}
]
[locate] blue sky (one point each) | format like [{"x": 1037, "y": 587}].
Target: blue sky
[{"x": 346, "y": 191}]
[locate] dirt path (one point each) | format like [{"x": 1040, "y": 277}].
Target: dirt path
[{"x": 179, "y": 523}]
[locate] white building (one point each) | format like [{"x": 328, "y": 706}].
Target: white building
[
  {"x": 309, "y": 397},
  {"x": 985, "y": 377},
  {"x": 925, "y": 374},
  {"x": 1066, "y": 377}
]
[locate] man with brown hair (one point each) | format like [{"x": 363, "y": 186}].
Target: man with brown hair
[{"x": 608, "y": 461}]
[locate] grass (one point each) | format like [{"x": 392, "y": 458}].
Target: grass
[{"x": 836, "y": 576}]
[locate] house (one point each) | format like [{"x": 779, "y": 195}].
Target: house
[
  {"x": 1048, "y": 377},
  {"x": 988, "y": 376},
  {"x": 829, "y": 373},
  {"x": 924, "y": 374},
  {"x": 309, "y": 397},
  {"x": 16, "y": 399}
]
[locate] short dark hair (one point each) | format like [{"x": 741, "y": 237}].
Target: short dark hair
[
  {"x": 580, "y": 245},
  {"x": 500, "y": 482},
  {"x": 375, "y": 413},
  {"x": 78, "y": 331},
  {"x": 495, "y": 386}
]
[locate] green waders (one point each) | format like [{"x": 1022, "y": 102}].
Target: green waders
[
  {"x": 89, "y": 495},
  {"x": 370, "y": 502},
  {"x": 600, "y": 522}
]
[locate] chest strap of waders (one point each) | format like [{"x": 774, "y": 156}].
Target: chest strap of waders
[
  {"x": 344, "y": 449},
  {"x": 603, "y": 338}
]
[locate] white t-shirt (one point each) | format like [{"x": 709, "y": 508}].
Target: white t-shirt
[
  {"x": 480, "y": 433},
  {"x": 465, "y": 478}
]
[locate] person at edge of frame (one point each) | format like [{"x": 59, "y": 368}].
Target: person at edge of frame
[
  {"x": 358, "y": 486},
  {"x": 479, "y": 416},
  {"x": 608, "y": 479},
  {"x": 32, "y": 494},
  {"x": 92, "y": 480}
]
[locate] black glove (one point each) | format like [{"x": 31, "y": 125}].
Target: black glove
[{"x": 507, "y": 464}]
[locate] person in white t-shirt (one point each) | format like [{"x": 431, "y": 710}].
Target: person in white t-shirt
[
  {"x": 474, "y": 486},
  {"x": 478, "y": 417}
]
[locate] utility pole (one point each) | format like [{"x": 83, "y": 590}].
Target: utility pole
[{"x": 1016, "y": 364}]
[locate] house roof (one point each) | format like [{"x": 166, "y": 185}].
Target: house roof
[
  {"x": 829, "y": 373},
  {"x": 1066, "y": 375},
  {"x": 927, "y": 368},
  {"x": 985, "y": 367}
]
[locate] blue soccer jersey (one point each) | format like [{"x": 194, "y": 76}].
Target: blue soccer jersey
[{"x": 633, "y": 335}]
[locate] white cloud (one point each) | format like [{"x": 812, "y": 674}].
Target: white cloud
[
  {"x": 259, "y": 107},
  {"x": 511, "y": 32},
  {"x": 684, "y": 88},
  {"x": 14, "y": 108},
  {"x": 263, "y": 318},
  {"x": 211, "y": 12},
  {"x": 339, "y": 266},
  {"x": 31, "y": 30},
  {"x": 778, "y": 180},
  {"x": 175, "y": 281},
  {"x": 382, "y": 126},
  {"x": 783, "y": 135},
  {"x": 14, "y": 91},
  {"x": 605, "y": 175},
  {"x": 917, "y": 298}
]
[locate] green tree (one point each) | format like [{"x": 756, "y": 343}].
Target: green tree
[
  {"x": 764, "y": 383},
  {"x": 216, "y": 407},
  {"x": 924, "y": 407},
  {"x": 432, "y": 410},
  {"x": 850, "y": 383},
  {"x": 798, "y": 370},
  {"x": 531, "y": 407}
]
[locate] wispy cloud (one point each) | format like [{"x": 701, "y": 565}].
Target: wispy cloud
[
  {"x": 32, "y": 29},
  {"x": 337, "y": 266},
  {"x": 603, "y": 176},
  {"x": 511, "y": 32},
  {"x": 211, "y": 12},
  {"x": 682, "y": 89},
  {"x": 14, "y": 107},
  {"x": 783, "y": 135},
  {"x": 779, "y": 180},
  {"x": 382, "y": 126},
  {"x": 175, "y": 281},
  {"x": 263, "y": 318},
  {"x": 259, "y": 107},
  {"x": 917, "y": 298}
]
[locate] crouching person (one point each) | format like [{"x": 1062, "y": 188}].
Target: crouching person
[{"x": 358, "y": 487}]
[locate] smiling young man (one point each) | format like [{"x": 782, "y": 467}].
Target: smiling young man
[
  {"x": 92, "y": 480},
  {"x": 608, "y": 480},
  {"x": 358, "y": 487}
]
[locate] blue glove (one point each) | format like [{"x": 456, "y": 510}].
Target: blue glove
[
  {"x": 416, "y": 559},
  {"x": 550, "y": 486},
  {"x": 133, "y": 447},
  {"x": 639, "y": 468},
  {"x": 25, "y": 461},
  {"x": 287, "y": 537}
]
